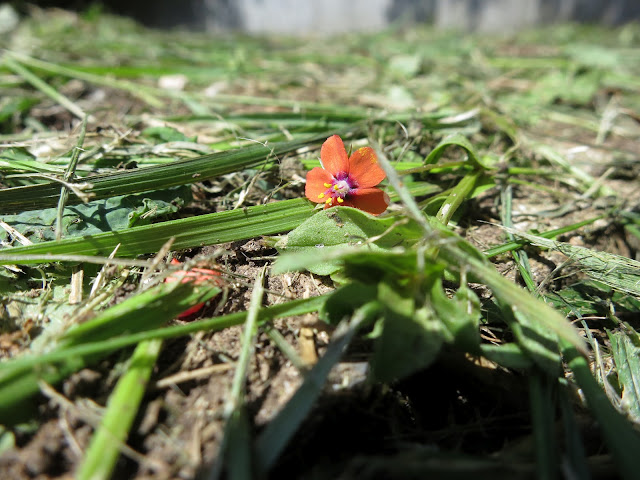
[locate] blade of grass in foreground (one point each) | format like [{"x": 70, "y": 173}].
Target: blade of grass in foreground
[
  {"x": 210, "y": 229},
  {"x": 122, "y": 408},
  {"x": 235, "y": 448},
  {"x": 279, "y": 431},
  {"x": 19, "y": 378},
  {"x": 623, "y": 441},
  {"x": 157, "y": 177}
]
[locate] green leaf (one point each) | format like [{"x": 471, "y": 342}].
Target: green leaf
[
  {"x": 411, "y": 338},
  {"x": 456, "y": 140},
  {"x": 332, "y": 229},
  {"x": 116, "y": 213},
  {"x": 180, "y": 172},
  {"x": 190, "y": 232},
  {"x": 166, "y": 134},
  {"x": 345, "y": 300},
  {"x": 460, "y": 316}
]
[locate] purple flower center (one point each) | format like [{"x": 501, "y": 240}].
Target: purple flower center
[{"x": 340, "y": 187}]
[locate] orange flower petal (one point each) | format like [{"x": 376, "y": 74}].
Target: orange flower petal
[
  {"x": 195, "y": 275},
  {"x": 364, "y": 168},
  {"x": 316, "y": 178},
  {"x": 372, "y": 200},
  {"x": 334, "y": 156}
]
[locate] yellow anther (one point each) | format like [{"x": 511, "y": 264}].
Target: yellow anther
[
  {"x": 336, "y": 187},
  {"x": 340, "y": 200},
  {"x": 327, "y": 185},
  {"x": 328, "y": 201},
  {"x": 321, "y": 195}
]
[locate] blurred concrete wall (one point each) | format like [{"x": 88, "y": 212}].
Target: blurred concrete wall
[{"x": 336, "y": 16}]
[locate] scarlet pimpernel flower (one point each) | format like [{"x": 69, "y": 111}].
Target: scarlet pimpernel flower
[
  {"x": 349, "y": 181},
  {"x": 197, "y": 276}
]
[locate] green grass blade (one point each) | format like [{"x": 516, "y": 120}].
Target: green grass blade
[
  {"x": 621, "y": 438},
  {"x": 68, "y": 175},
  {"x": 458, "y": 194},
  {"x": 509, "y": 246},
  {"x": 135, "y": 89},
  {"x": 456, "y": 140},
  {"x": 626, "y": 356},
  {"x": 620, "y": 273},
  {"x": 210, "y": 229},
  {"x": 281, "y": 429},
  {"x": 122, "y": 408},
  {"x": 543, "y": 422},
  {"x": 575, "y": 458},
  {"x": 43, "y": 86},
  {"x": 19, "y": 378},
  {"x": 235, "y": 449},
  {"x": 520, "y": 257},
  {"x": 180, "y": 172}
]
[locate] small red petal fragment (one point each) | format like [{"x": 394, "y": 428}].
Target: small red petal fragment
[{"x": 195, "y": 275}]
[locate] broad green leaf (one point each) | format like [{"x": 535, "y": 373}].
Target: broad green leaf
[
  {"x": 345, "y": 300},
  {"x": 333, "y": 229},
  {"x": 112, "y": 214},
  {"x": 411, "y": 338},
  {"x": 460, "y": 316}
]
